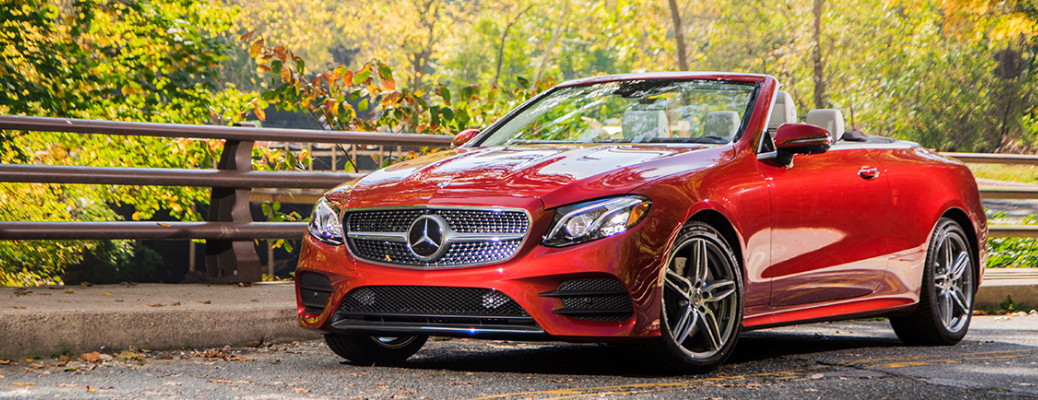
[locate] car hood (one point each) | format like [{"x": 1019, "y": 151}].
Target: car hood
[{"x": 556, "y": 175}]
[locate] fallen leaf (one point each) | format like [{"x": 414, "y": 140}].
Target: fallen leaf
[
  {"x": 816, "y": 376},
  {"x": 5, "y": 362},
  {"x": 177, "y": 304},
  {"x": 171, "y": 383},
  {"x": 90, "y": 389},
  {"x": 18, "y": 308},
  {"x": 69, "y": 291},
  {"x": 156, "y": 305},
  {"x": 119, "y": 301},
  {"x": 106, "y": 294},
  {"x": 255, "y": 300},
  {"x": 206, "y": 302},
  {"x": 301, "y": 390},
  {"x": 37, "y": 366},
  {"x": 94, "y": 357},
  {"x": 86, "y": 284},
  {"x": 23, "y": 383},
  {"x": 167, "y": 357},
  {"x": 131, "y": 356},
  {"x": 22, "y": 292}
]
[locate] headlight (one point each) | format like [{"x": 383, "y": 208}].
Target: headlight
[
  {"x": 325, "y": 224},
  {"x": 583, "y": 222}
]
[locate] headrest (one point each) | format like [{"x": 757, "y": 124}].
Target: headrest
[
  {"x": 830, "y": 119},
  {"x": 784, "y": 111},
  {"x": 722, "y": 124},
  {"x": 639, "y": 125}
]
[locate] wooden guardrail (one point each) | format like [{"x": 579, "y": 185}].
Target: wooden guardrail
[
  {"x": 230, "y": 231},
  {"x": 1004, "y": 192}
]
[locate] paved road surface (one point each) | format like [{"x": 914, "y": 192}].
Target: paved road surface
[{"x": 848, "y": 360}]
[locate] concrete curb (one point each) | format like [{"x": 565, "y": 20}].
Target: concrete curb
[
  {"x": 43, "y": 321},
  {"x": 147, "y": 316},
  {"x": 999, "y": 283}
]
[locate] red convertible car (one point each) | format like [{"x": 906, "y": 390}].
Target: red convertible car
[{"x": 671, "y": 211}]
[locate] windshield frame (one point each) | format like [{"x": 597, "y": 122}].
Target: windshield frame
[{"x": 748, "y": 80}]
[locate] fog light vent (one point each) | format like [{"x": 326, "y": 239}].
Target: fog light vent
[
  {"x": 595, "y": 299},
  {"x": 314, "y": 290}
]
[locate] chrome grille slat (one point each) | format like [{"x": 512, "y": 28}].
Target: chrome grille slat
[{"x": 479, "y": 236}]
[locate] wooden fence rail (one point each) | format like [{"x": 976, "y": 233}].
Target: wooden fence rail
[{"x": 230, "y": 231}]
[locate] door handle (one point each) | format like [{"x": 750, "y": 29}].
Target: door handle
[{"x": 868, "y": 172}]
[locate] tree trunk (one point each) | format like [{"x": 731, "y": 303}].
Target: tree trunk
[
  {"x": 679, "y": 34},
  {"x": 504, "y": 38},
  {"x": 555, "y": 35},
  {"x": 816, "y": 58}
]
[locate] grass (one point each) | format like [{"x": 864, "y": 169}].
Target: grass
[{"x": 1006, "y": 173}]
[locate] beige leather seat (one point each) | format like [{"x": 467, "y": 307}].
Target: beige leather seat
[
  {"x": 723, "y": 124},
  {"x": 830, "y": 119},
  {"x": 640, "y": 125},
  {"x": 785, "y": 110}
]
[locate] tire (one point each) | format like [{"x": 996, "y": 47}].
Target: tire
[
  {"x": 371, "y": 350},
  {"x": 946, "y": 297},
  {"x": 702, "y": 303}
]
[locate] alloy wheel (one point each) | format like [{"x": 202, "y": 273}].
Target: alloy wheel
[
  {"x": 700, "y": 300},
  {"x": 953, "y": 281}
]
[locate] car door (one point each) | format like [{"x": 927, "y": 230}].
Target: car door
[{"x": 829, "y": 219}]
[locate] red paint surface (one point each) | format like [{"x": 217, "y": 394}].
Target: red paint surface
[{"x": 816, "y": 240}]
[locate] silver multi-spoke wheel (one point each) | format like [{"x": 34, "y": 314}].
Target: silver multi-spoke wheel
[
  {"x": 953, "y": 282},
  {"x": 946, "y": 295},
  {"x": 701, "y": 301},
  {"x": 698, "y": 298}
]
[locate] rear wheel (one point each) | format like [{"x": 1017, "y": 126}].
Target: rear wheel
[
  {"x": 946, "y": 296},
  {"x": 366, "y": 350},
  {"x": 702, "y": 309}
]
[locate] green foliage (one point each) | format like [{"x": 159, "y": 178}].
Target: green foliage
[
  {"x": 152, "y": 61},
  {"x": 1014, "y": 252}
]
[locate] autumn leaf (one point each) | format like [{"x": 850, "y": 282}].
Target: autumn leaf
[
  {"x": 256, "y": 47},
  {"x": 247, "y": 36},
  {"x": 93, "y": 358}
]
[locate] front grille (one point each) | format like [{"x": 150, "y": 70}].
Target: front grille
[
  {"x": 595, "y": 299},
  {"x": 490, "y": 236},
  {"x": 314, "y": 289},
  {"x": 430, "y": 301}
]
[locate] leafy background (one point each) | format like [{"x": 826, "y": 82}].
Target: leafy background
[{"x": 955, "y": 75}]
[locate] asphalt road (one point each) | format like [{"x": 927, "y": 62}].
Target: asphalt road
[{"x": 847, "y": 360}]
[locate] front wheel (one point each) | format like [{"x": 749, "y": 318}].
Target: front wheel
[
  {"x": 702, "y": 309},
  {"x": 368, "y": 350},
  {"x": 946, "y": 297}
]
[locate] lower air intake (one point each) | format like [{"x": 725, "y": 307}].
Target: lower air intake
[
  {"x": 595, "y": 299},
  {"x": 430, "y": 301},
  {"x": 314, "y": 290}
]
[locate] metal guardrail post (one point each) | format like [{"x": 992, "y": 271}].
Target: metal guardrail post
[{"x": 232, "y": 260}]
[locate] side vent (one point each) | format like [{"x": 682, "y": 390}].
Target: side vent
[
  {"x": 315, "y": 290},
  {"x": 596, "y": 299}
]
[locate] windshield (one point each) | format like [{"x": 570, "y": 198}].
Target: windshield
[{"x": 634, "y": 111}]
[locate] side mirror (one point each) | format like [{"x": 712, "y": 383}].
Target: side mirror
[
  {"x": 464, "y": 137},
  {"x": 793, "y": 139}
]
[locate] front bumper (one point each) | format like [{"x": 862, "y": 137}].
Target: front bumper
[{"x": 531, "y": 279}]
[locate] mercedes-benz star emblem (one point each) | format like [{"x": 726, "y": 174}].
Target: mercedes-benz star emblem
[{"x": 425, "y": 237}]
